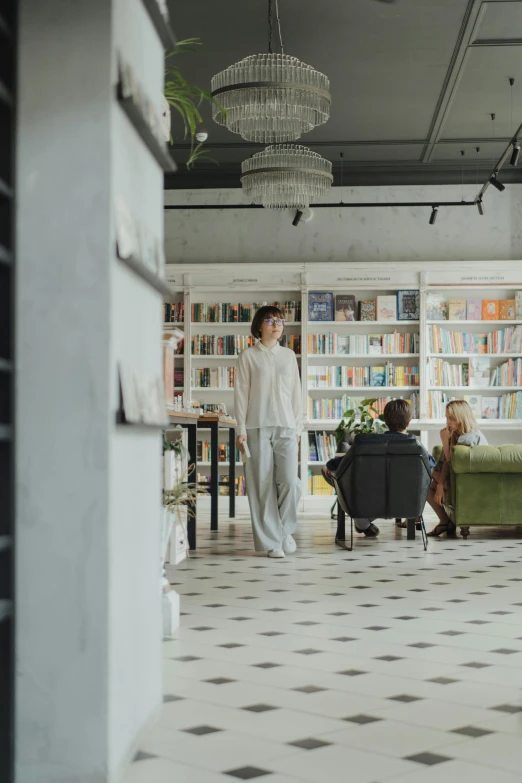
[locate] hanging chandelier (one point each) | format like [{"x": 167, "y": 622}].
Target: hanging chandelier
[
  {"x": 286, "y": 175},
  {"x": 271, "y": 97}
]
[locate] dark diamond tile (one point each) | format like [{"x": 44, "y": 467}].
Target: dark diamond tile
[
  {"x": 214, "y": 606},
  {"x": 476, "y": 665},
  {"x": 309, "y": 689},
  {"x": 471, "y": 731},
  {"x": 512, "y": 709},
  {"x": 388, "y": 658},
  {"x": 338, "y": 614},
  {"x": 203, "y": 628},
  {"x": 308, "y": 651},
  {"x": 344, "y": 639},
  {"x": 259, "y": 708},
  {"x": 429, "y": 759},
  {"x": 200, "y": 731},
  {"x": 368, "y": 606},
  {"x": 169, "y": 697},
  {"x": 377, "y": 628},
  {"x": 141, "y": 756},
  {"x": 309, "y": 744},
  {"x": 219, "y": 680},
  {"x": 230, "y": 645},
  {"x": 266, "y": 665},
  {"x": 406, "y": 617},
  {"x": 247, "y": 773},
  {"x": 275, "y": 609},
  {"x": 362, "y": 719},
  {"x": 352, "y": 672},
  {"x": 271, "y": 633},
  {"x": 500, "y": 612},
  {"x": 443, "y": 680},
  {"x": 406, "y": 698},
  {"x": 478, "y": 622},
  {"x": 335, "y": 595},
  {"x": 451, "y": 633},
  {"x": 187, "y": 658},
  {"x": 422, "y": 645},
  {"x": 306, "y": 622},
  {"x": 505, "y": 651}
]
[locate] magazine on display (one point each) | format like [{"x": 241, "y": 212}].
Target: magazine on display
[
  {"x": 320, "y": 306},
  {"x": 408, "y": 305},
  {"x": 345, "y": 307}
]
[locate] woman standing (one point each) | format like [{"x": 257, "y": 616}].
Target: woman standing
[
  {"x": 461, "y": 429},
  {"x": 268, "y": 409}
]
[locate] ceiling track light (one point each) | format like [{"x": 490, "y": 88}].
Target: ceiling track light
[
  {"x": 480, "y": 207},
  {"x": 433, "y": 216},
  {"x": 515, "y": 155},
  {"x": 297, "y": 218},
  {"x": 496, "y": 184}
]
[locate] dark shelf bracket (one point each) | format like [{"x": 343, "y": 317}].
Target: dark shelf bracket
[
  {"x": 161, "y": 25},
  {"x": 158, "y": 150}
]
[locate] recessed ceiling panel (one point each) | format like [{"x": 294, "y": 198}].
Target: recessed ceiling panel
[
  {"x": 484, "y": 89},
  {"x": 453, "y": 153},
  {"x": 500, "y": 21}
]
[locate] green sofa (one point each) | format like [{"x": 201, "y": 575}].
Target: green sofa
[{"x": 486, "y": 486}]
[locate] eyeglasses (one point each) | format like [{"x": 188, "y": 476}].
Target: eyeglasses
[{"x": 275, "y": 321}]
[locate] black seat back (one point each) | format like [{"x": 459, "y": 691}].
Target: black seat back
[{"x": 384, "y": 476}]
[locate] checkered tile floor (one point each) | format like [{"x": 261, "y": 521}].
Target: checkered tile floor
[{"x": 385, "y": 664}]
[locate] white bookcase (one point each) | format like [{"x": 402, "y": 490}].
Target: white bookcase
[{"x": 214, "y": 283}]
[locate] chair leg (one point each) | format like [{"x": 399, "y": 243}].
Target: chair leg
[
  {"x": 333, "y": 515},
  {"x": 411, "y": 529},
  {"x": 464, "y": 532},
  {"x": 424, "y": 534},
  {"x": 340, "y": 536}
]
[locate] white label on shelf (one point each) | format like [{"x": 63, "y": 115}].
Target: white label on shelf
[
  {"x": 245, "y": 280},
  {"x": 364, "y": 279}
]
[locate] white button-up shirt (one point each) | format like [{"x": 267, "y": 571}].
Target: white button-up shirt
[{"x": 267, "y": 391}]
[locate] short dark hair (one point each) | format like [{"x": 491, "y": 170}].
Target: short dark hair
[
  {"x": 397, "y": 415},
  {"x": 264, "y": 312}
]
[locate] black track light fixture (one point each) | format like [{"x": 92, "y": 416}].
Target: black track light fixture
[
  {"x": 297, "y": 218},
  {"x": 433, "y": 216},
  {"x": 496, "y": 184},
  {"x": 515, "y": 155},
  {"x": 480, "y": 207}
]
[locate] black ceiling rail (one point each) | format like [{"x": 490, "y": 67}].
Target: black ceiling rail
[
  {"x": 335, "y": 205},
  {"x": 515, "y": 139}
]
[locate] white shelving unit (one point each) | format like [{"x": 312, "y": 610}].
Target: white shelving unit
[{"x": 274, "y": 282}]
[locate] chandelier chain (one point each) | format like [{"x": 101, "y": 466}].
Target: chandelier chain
[
  {"x": 270, "y": 28},
  {"x": 279, "y": 26}
]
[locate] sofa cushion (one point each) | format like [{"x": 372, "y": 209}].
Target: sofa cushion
[{"x": 487, "y": 459}]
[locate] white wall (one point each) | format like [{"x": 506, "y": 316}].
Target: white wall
[
  {"x": 362, "y": 234},
  {"x": 88, "y": 492}
]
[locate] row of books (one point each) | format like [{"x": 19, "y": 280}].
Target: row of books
[
  {"x": 317, "y": 484},
  {"x": 327, "y": 408},
  {"x": 325, "y": 306},
  {"x": 505, "y": 406},
  {"x": 508, "y": 340},
  {"x": 213, "y": 377},
  {"x": 233, "y": 344},
  {"x": 174, "y": 313},
  {"x": 321, "y": 446},
  {"x": 476, "y": 372},
  {"x": 371, "y": 344},
  {"x": 227, "y": 312},
  {"x": 204, "y": 482},
  {"x": 203, "y": 452},
  {"x": 343, "y": 376},
  {"x": 439, "y": 308}
]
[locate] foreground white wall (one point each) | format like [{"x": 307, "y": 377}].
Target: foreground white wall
[{"x": 398, "y": 234}]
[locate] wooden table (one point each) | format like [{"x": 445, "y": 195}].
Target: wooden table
[
  {"x": 214, "y": 423},
  {"x": 190, "y": 422}
]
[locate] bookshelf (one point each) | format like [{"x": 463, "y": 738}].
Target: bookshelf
[{"x": 219, "y": 283}]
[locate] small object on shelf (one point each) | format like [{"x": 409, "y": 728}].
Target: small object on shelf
[
  {"x": 387, "y": 308},
  {"x": 374, "y": 344},
  {"x": 457, "y": 309},
  {"x": 408, "y": 305},
  {"x": 518, "y": 304},
  {"x": 320, "y": 306},
  {"x": 368, "y": 310},
  {"x": 490, "y": 407},
  {"x": 479, "y": 370},
  {"x": 490, "y": 310},
  {"x": 507, "y": 309},
  {"x": 475, "y": 403},
  {"x": 436, "y": 307},
  {"x": 474, "y": 310},
  {"x": 344, "y": 307}
]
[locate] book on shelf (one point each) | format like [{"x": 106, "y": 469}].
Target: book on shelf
[
  {"x": 490, "y": 407},
  {"x": 229, "y": 312},
  {"x": 378, "y": 376},
  {"x": 213, "y": 377},
  {"x": 457, "y": 309},
  {"x": 368, "y": 310},
  {"x": 365, "y": 344},
  {"x": 325, "y": 409},
  {"x": 490, "y": 309},
  {"x": 320, "y": 306},
  {"x": 374, "y": 344},
  {"x": 408, "y": 305},
  {"x": 474, "y": 310},
  {"x": 507, "y": 309},
  {"x": 342, "y": 377},
  {"x": 386, "y": 308},
  {"x": 174, "y": 312},
  {"x": 507, "y": 374},
  {"x": 344, "y": 307},
  {"x": 518, "y": 305},
  {"x": 479, "y": 371},
  {"x": 475, "y": 403},
  {"x": 317, "y": 485},
  {"x": 436, "y": 306},
  {"x": 441, "y": 373}
]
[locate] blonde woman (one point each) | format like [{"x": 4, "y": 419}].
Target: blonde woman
[
  {"x": 268, "y": 410},
  {"x": 462, "y": 429}
]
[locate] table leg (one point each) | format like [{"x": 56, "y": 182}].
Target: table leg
[
  {"x": 192, "y": 479},
  {"x": 214, "y": 474},
  {"x": 411, "y": 529},
  {"x": 341, "y": 524},
  {"x": 232, "y": 473}
]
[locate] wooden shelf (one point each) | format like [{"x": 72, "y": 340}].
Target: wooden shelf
[
  {"x": 146, "y": 274},
  {"x": 161, "y": 25},
  {"x": 158, "y": 149}
]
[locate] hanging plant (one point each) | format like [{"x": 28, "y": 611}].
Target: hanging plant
[{"x": 186, "y": 99}]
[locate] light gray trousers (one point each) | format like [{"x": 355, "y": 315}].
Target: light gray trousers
[{"x": 273, "y": 486}]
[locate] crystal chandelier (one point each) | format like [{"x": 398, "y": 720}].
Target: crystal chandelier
[
  {"x": 286, "y": 175},
  {"x": 271, "y": 97}
]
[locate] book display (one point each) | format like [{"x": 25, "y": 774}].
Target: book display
[{"x": 365, "y": 335}]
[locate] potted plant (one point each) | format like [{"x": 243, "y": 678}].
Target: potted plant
[
  {"x": 186, "y": 98},
  {"x": 363, "y": 419}
]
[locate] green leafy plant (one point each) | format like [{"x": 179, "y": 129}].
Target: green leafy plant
[
  {"x": 182, "y": 494},
  {"x": 186, "y": 99},
  {"x": 363, "y": 419}
]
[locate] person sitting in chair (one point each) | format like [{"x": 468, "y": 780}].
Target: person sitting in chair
[{"x": 397, "y": 417}]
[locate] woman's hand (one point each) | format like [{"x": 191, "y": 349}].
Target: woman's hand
[
  {"x": 239, "y": 441},
  {"x": 439, "y": 494},
  {"x": 445, "y": 435}
]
